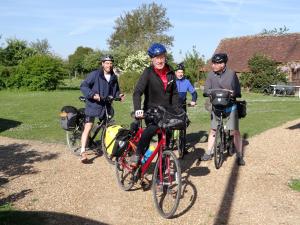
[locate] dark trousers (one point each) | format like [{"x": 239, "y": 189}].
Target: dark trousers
[{"x": 146, "y": 137}]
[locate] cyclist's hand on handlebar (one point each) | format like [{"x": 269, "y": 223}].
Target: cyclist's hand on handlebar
[
  {"x": 139, "y": 113},
  {"x": 122, "y": 96},
  {"x": 192, "y": 104},
  {"x": 96, "y": 97}
]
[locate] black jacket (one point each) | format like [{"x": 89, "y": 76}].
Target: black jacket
[
  {"x": 151, "y": 85},
  {"x": 95, "y": 83}
]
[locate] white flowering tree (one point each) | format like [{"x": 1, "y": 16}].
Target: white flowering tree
[{"x": 136, "y": 62}]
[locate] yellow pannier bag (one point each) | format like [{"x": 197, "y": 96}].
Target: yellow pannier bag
[{"x": 110, "y": 137}]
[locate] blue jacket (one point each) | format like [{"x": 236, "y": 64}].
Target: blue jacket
[
  {"x": 95, "y": 83},
  {"x": 184, "y": 86}
]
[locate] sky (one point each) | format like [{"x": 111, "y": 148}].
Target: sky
[{"x": 89, "y": 23}]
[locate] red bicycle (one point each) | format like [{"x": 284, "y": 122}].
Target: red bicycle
[{"x": 166, "y": 180}]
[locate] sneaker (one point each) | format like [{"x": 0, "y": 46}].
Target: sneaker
[
  {"x": 83, "y": 157},
  {"x": 206, "y": 157},
  {"x": 240, "y": 161}
]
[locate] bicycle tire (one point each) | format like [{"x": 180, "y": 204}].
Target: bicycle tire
[
  {"x": 219, "y": 147},
  {"x": 181, "y": 141},
  {"x": 108, "y": 158},
  {"x": 124, "y": 173},
  {"x": 169, "y": 187},
  {"x": 74, "y": 141}
]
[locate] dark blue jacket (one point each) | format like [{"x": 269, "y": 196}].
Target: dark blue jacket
[
  {"x": 95, "y": 83},
  {"x": 184, "y": 86}
]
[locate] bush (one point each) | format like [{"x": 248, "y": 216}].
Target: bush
[
  {"x": 263, "y": 72},
  {"x": 128, "y": 81},
  {"x": 39, "y": 72}
]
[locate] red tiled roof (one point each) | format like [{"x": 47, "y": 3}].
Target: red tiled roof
[{"x": 282, "y": 48}]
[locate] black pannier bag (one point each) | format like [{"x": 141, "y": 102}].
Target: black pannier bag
[
  {"x": 171, "y": 118},
  {"x": 242, "y": 108},
  {"x": 68, "y": 118}
]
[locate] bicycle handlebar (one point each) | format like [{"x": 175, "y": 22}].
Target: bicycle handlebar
[{"x": 108, "y": 99}]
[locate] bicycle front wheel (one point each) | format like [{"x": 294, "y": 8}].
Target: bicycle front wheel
[
  {"x": 74, "y": 141},
  {"x": 219, "y": 147},
  {"x": 166, "y": 184}
]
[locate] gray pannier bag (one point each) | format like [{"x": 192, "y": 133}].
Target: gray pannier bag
[{"x": 68, "y": 118}]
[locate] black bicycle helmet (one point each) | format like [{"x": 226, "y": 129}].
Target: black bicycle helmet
[
  {"x": 179, "y": 66},
  {"x": 219, "y": 58},
  {"x": 156, "y": 49},
  {"x": 107, "y": 58}
]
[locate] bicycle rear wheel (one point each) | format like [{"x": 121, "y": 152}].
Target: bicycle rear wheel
[
  {"x": 219, "y": 147},
  {"x": 181, "y": 141},
  {"x": 109, "y": 159},
  {"x": 124, "y": 173},
  {"x": 74, "y": 140},
  {"x": 166, "y": 185}
]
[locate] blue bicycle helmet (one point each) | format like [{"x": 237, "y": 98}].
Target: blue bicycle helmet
[
  {"x": 156, "y": 49},
  {"x": 220, "y": 58}
]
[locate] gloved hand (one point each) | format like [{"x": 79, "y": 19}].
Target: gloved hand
[{"x": 139, "y": 113}]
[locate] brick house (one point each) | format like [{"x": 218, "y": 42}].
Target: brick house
[{"x": 284, "y": 49}]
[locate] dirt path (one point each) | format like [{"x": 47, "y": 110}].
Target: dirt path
[{"x": 38, "y": 176}]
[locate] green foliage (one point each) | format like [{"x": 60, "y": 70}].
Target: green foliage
[
  {"x": 136, "y": 62},
  {"x": 76, "y": 59},
  {"x": 128, "y": 81},
  {"x": 15, "y": 52},
  {"x": 91, "y": 60},
  {"x": 263, "y": 72},
  {"x": 41, "y": 46},
  {"x": 136, "y": 30},
  {"x": 5, "y": 74},
  {"x": 193, "y": 62},
  {"x": 295, "y": 184},
  {"x": 275, "y": 31},
  {"x": 39, "y": 72}
]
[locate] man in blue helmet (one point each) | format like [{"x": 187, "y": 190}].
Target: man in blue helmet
[
  {"x": 99, "y": 83},
  {"x": 223, "y": 78},
  {"x": 158, "y": 85},
  {"x": 184, "y": 86}
]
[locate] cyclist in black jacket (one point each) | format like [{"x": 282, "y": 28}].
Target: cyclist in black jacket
[{"x": 158, "y": 85}]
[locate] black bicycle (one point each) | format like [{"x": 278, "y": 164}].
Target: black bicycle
[
  {"x": 95, "y": 141},
  {"x": 179, "y": 138},
  {"x": 222, "y": 103}
]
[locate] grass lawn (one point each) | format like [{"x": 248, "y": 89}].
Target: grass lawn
[{"x": 34, "y": 115}]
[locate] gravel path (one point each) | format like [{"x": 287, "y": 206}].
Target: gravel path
[{"x": 38, "y": 176}]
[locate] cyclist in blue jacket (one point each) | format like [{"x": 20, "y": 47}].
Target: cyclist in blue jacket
[
  {"x": 99, "y": 84},
  {"x": 183, "y": 86}
]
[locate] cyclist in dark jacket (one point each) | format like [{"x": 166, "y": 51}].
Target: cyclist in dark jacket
[
  {"x": 183, "y": 86},
  {"x": 158, "y": 85},
  {"x": 99, "y": 84},
  {"x": 223, "y": 78}
]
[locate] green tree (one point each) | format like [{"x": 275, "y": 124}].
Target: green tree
[
  {"x": 128, "y": 81},
  {"x": 193, "y": 63},
  {"x": 15, "y": 52},
  {"x": 38, "y": 72},
  {"x": 275, "y": 31},
  {"x": 263, "y": 72},
  {"x": 76, "y": 60},
  {"x": 136, "y": 62},
  {"x": 41, "y": 46},
  {"x": 91, "y": 60},
  {"x": 136, "y": 30}
]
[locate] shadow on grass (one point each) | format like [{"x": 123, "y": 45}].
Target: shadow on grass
[
  {"x": 6, "y": 124},
  {"x": 11, "y": 217},
  {"x": 296, "y": 126}
]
